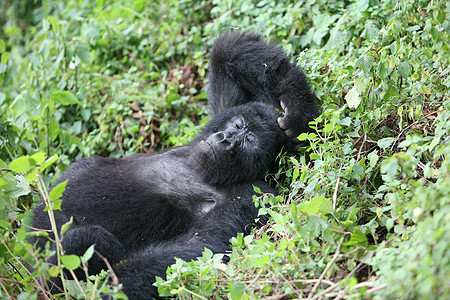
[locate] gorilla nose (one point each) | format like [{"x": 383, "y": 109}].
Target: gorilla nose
[{"x": 227, "y": 140}]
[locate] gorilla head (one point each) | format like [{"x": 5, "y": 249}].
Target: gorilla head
[{"x": 238, "y": 145}]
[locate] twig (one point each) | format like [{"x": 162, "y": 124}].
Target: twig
[
  {"x": 330, "y": 263},
  {"x": 114, "y": 278},
  {"x": 336, "y": 189},
  {"x": 409, "y": 126},
  {"x": 78, "y": 283},
  {"x": 58, "y": 245}
]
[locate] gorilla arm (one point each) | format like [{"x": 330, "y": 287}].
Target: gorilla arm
[
  {"x": 245, "y": 69},
  {"x": 235, "y": 213}
]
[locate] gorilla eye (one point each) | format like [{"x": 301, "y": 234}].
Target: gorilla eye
[
  {"x": 250, "y": 138},
  {"x": 239, "y": 124}
]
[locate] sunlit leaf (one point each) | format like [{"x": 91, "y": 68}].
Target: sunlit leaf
[
  {"x": 64, "y": 97},
  {"x": 71, "y": 261}
]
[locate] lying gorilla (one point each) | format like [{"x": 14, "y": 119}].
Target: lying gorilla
[{"x": 151, "y": 208}]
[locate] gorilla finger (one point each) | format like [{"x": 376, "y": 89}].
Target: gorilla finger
[
  {"x": 282, "y": 122},
  {"x": 290, "y": 133},
  {"x": 283, "y": 106}
]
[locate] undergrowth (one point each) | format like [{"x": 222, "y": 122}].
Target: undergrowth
[{"x": 365, "y": 210}]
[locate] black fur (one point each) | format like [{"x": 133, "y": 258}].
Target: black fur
[
  {"x": 151, "y": 208},
  {"x": 243, "y": 69}
]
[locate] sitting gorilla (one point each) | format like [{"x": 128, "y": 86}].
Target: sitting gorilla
[{"x": 150, "y": 208}]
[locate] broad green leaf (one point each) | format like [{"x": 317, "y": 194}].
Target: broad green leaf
[
  {"x": 385, "y": 143},
  {"x": 82, "y": 51},
  {"x": 373, "y": 158},
  {"x": 58, "y": 190},
  {"x": 70, "y": 261},
  {"x": 64, "y": 97},
  {"x": 49, "y": 162},
  {"x": 352, "y": 98},
  {"x": 53, "y": 271},
  {"x": 383, "y": 70},
  {"x": 390, "y": 167},
  {"x": 21, "y": 164},
  {"x": 404, "y": 69},
  {"x": 237, "y": 291},
  {"x": 391, "y": 93},
  {"x": 38, "y": 157},
  {"x": 358, "y": 239},
  {"x": 317, "y": 206}
]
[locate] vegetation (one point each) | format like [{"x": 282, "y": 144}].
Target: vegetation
[{"x": 366, "y": 206}]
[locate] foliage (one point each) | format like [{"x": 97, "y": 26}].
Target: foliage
[{"x": 365, "y": 211}]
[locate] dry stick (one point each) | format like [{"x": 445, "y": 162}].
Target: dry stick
[
  {"x": 330, "y": 263},
  {"x": 115, "y": 279},
  {"x": 341, "y": 294},
  {"x": 336, "y": 189},
  {"x": 78, "y": 283},
  {"x": 362, "y": 145},
  {"x": 409, "y": 126},
  {"x": 374, "y": 289},
  {"x": 5, "y": 290}
]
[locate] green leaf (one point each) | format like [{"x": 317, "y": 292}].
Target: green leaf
[
  {"x": 82, "y": 51},
  {"x": 66, "y": 226},
  {"x": 390, "y": 167},
  {"x": 237, "y": 291},
  {"x": 317, "y": 206},
  {"x": 257, "y": 190},
  {"x": 352, "y": 98},
  {"x": 385, "y": 143},
  {"x": 382, "y": 70},
  {"x": 49, "y": 162},
  {"x": 2, "y": 46},
  {"x": 391, "y": 93},
  {"x": 64, "y": 97},
  {"x": 358, "y": 239},
  {"x": 70, "y": 261},
  {"x": 373, "y": 158},
  {"x": 53, "y": 271},
  {"x": 21, "y": 164},
  {"x": 58, "y": 190},
  {"x": 38, "y": 157},
  {"x": 404, "y": 69},
  {"x": 88, "y": 254}
]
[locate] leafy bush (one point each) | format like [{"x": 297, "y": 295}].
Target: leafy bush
[{"x": 365, "y": 208}]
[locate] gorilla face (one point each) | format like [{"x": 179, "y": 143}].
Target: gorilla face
[{"x": 239, "y": 145}]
